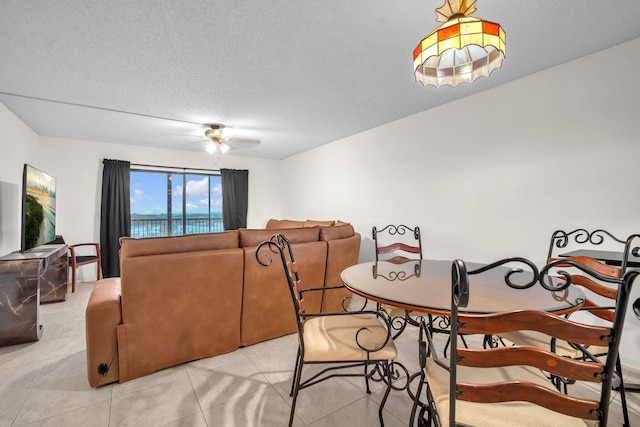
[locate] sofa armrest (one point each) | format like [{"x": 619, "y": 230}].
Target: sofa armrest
[{"x": 102, "y": 316}]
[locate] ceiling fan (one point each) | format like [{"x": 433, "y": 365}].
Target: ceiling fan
[{"x": 219, "y": 143}]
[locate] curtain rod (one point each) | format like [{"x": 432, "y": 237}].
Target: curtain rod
[{"x": 175, "y": 167}]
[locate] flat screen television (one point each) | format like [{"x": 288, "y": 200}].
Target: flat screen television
[{"x": 38, "y": 208}]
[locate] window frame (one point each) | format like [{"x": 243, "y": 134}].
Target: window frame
[{"x": 168, "y": 221}]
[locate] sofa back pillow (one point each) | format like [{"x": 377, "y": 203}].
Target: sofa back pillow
[
  {"x": 314, "y": 222},
  {"x": 336, "y": 232},
  {"x": 131, "y": 247},
  {"x": 283, "y": 223},
  {"x": 253, "y": 237}
]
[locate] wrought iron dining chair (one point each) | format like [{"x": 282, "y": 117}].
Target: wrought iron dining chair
[
  {"x": 591, "y": 288},
  {"x": 635, "y": 388},
  {"x": 398, "y": 244},
  {"x": 506, "y": 386},
  {"x": 600, "y": 304},
  {"x": 342, "y": 340}
]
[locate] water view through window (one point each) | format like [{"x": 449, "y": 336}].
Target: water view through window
[{"x": 172, "y": 204}]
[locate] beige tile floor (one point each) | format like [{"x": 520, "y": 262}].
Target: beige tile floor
[{"x": 44, "y": 384}]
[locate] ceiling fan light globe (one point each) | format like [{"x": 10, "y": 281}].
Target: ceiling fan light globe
[{"x": 211, "y": 148}]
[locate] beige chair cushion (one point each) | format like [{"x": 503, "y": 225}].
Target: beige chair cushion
[
  {"x": 506, "y": 414},
  {"x": 543, "y": 341},
  {"x": 393, "y": 311},
  {"x": 333, "y": 338}
]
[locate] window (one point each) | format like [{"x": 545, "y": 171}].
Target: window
[{"x": 172, "y": 204}]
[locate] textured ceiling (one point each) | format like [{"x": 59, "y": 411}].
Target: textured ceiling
[{"x": 293, "y": 74}]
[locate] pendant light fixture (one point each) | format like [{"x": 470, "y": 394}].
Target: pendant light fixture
[{"x": 460, "y": 50}]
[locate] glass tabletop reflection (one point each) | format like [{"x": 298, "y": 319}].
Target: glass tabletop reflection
[{"x": 425, "y": 285}]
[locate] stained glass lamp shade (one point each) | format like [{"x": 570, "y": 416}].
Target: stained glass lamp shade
[{"x": 461, "y": 50}]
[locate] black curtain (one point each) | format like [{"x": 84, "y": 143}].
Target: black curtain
[
  {"x": 115, "y": 213},
  {"x": 235, "y": 198}
]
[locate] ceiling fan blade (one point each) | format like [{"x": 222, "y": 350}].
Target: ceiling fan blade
[
  {"x": 240, "y": 143},
  {"x": 214, "y": 140},
  {"x": 193, "y": 142}
]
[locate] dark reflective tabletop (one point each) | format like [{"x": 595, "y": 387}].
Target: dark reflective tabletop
[{"x": 425, "y": 285}]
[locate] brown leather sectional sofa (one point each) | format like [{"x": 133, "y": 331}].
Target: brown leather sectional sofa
[{"x": 190, "y": 297}]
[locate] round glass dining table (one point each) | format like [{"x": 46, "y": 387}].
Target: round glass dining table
[{"x": 425, "y": 286}]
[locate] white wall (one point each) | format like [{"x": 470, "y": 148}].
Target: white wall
[
  {"x": 18, "y": 145},
  {"x": 494, "y": 174}
]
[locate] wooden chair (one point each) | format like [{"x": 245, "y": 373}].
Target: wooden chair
[
  {"x": 82, "y": 254},
  {"x": 600, "y": 304},
  {"x": 507, "y": 386},
  {"x": 78, "y": 257},
  {"x": 343, "y": 340}
]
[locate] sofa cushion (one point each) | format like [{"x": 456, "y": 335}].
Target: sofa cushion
[
  {"x": 313, "y": 222},
  {"x": 336, "y": 232},
  {"x": 288, "y": 223},
  {"x": 273, "y": 223},
  {"x": 283, "y": 223},
  {"x": 169, "y": 245},
  {"x": 253, "y": 237}
]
